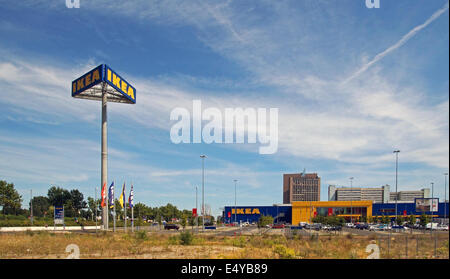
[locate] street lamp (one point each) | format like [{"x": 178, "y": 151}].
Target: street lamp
[
  {"x": 431, "y": 206},
  {"x": 196, "y": 209},
  {"x": 396, "y": 180},
  {"x": 351, "y": 199},
  {"x": 445, "y": 197},
  {"x": 235, "y": 215},
  {"x": 203, "y": 191}
]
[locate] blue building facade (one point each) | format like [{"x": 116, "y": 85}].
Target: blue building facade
[
  {"x": 380, "y": 209},
  {"x": 280, "y": 213}
]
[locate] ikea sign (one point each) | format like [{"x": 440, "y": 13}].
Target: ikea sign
[
  {"x": 103, "y": 73},
  {"x": 245, "y": 211}
]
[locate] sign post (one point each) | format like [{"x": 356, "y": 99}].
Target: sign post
[
  {"x": 104, "y": 84},
  {"x": 58, "y": 218}
]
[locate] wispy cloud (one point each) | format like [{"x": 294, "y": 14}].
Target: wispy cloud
[{"x": 398, "y": 44}]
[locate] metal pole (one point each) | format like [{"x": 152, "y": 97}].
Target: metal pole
[
  {"x": 203, "y": 192},
  {"x": 351, "y": 199},
  {"x": 96, "y": 208},
  {"x": 104, "y": 152},
  {"x": 125, "y": 211},
  {"x": 235, "y": 213},
  {"x": 431, "y": 207},
  {"x": 31, "y": 207},
  {"x": 196, "y": 209},
  {"x": 396, "y": 182},
  {"x": 445, "y": 197},
  {"x": 114, "y": 205}
]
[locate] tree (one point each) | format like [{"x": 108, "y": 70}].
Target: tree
[
  {"x": 58, "y": 196},
  {"x": 265, "y": 220},
  {"x": 424, "y": 219},
  {"x": 10, "y": 200},
  {"x": 412, "y": 220},
  {"x": 41, "y": 205},
  {"x": 78, "y": 202}
]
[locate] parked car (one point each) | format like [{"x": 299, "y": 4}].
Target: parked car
[
  {"x": 350, "y": 225},
  {"x": 171, "y": 227},
  {"x": 431, "y": 226},
  {"x": 362, "y": 226},
  {"x": 374, "y": 227},
  {"x": 385, "y": 227},
  {"x": 278, "y": 226},
  {"x": 442, "y": 227}
]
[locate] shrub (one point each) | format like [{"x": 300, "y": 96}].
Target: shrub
[
  {"x": 283, "y": 252},
  {"x": 173, "y": 240},
  {"x": 141, "y": 235},
  {"x": 186, "y": 238}
]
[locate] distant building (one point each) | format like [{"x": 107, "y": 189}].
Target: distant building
[
  {"x": 377, "y": 195},
  {"x": 301, "y": 187},
  {"x": 410, "y": 195}
]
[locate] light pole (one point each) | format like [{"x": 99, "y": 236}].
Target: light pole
[
  {"x": 31, "y": 207},
  {"x": 351, "y": 200},
  {"x": 431, "y": 206},
  {"x": 396, "y": 182},
  {"x": 203, "y": 191},
  {"x": 445, "y": 197},
  {"x": 196, "y": 209},
  {"x": 235, "y": 215}
]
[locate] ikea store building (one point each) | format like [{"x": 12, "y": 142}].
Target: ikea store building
[{"x": 298, "y": 212}]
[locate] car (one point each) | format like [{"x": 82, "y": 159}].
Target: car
[
  {"x": 171, "y": 227},
  {"x": 361, "y": 226},
  {"x": 385, "y": 227},
  {"x": 375, "y": 227},
  {"x": 431, "y": 226},
  {"x": 278, "y": 226},
  {"x": 350, "y": 225},
  {"x": 442, "y": 227}
]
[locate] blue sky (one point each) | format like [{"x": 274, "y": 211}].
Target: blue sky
[{"x": 351, "y": 84}]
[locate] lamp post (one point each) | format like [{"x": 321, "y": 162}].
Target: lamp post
[
  {"x": 351, "y": 199},
  {"x": 396, "y": 182},
  {"x": 431, "y": 206},
  {"x": 203, "y": 191},
  {"x": 196, "y": 209},
  {"x": 235, "y": 215},
  {"x": 445, "y": 197}
]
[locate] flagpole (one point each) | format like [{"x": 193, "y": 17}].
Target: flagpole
[
  {"x": 114, "y": 205},
  {"x": 132, "y": 209}
]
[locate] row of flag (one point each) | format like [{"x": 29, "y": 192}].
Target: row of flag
[{"x": 121, "y": 198}]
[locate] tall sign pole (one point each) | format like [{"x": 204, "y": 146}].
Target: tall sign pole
[
  {"x": 104, "y": 84},
  {"x": 105, "y": 152}
]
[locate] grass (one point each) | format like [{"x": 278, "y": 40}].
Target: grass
[{"x": 158, "y": 245}]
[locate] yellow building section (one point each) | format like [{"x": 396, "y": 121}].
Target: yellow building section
[{"x": 305, "y": 211}]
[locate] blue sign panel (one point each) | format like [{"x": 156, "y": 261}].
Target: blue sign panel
[
  {"x": 59, "y": 215},
  {"x": 103, "y": 73},
  {"x": 88, "y": 80},
  {"x": 121, "y": 85}
]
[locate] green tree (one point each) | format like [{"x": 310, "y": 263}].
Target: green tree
[
  {"x": 265, "y": 220},
  {"x": 58, "y": 196},
  {"x": 78, "y": 202},
  {"x": 41, "y": 205},
  {"x": 424, "y": 219},
  {"x": 10, "y": 200},
  {"x": 412, "y": 220}
]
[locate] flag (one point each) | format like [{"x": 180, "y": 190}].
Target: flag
[
  {"x": 122, "y": 196},
  {"x": 130, "y": 198},
  {"x": 111, "y": 195},
  {"x": 104, "y": 195}
]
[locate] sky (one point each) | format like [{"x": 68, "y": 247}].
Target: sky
[{"x": 351, "y": 85}]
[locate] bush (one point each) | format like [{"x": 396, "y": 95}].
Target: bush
[
  {"x": 283, "y": 252},
  {"x": 186, "y": 238},
  {"x": 141, "y": 235}
]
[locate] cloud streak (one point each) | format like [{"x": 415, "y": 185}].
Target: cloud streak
[{"x": 398, "y": 44}]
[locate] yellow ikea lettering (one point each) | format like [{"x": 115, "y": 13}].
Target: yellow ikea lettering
[
  {"x": 255, "y": 211},
  {"x": 116, "y": 80},
  {"x": 124, "y": 87},
  {"x": 248, "y": 211},
  {"x": 80, "y": 84},
  {"x": 131, "y": 92},
  {"x": 95, "y": 76},
  {"x": 87, "y": 80},
  {"x": 109, "y": 74},
  {"x": 74, "y": 87},
  {"x": 240, "y": 211}
]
